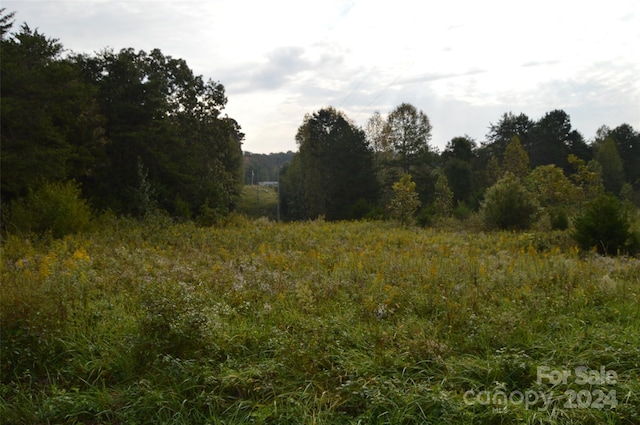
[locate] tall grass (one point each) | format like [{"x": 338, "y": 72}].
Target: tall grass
[{"x": 315, "y": 322}]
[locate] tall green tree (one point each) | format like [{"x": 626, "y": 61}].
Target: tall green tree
[
  {"x": 161, "y": 115},
  {"x": 628, "y": 143},
  {"x": 551, "y": 187},
  {"x": 612, "y": 167},
  {"x": 409, "y": 132},
  {"x": 552, "y": 139},
  {"x": 458, "y": 158},
  {"x": 501, "y": 133},
  {"x": 50, "y": 125},
  {"x": 587, "y": 177},
  {"x": 516, "y": 160},
  {"x": 332, "y": 170}
]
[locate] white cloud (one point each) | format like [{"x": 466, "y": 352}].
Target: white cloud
[{"x": 462, "y": 62}]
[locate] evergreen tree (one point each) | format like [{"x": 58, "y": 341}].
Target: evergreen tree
[
  {"x": 509, "y": 205},
  {"x": 333, "y": 169},
  {"x": 516, "y": 160}
]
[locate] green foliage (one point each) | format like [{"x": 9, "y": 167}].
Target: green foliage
[
  {"x": 51, "y": 128},
  {"x": 55, "y": 208},
  {"x": 462, "y": 211},
  {"x": 603, "y": 225},
  {"x": 362, "y": 209},
  {"x": 587, "y": 177},
  {"x": 552, "y": 139},
  {"x": 509, "y": 205},
  {"x": 95, "y": 119},
  {"x": 612, "y": 167},
  {"x": 460, "y": 177},
  {"x": 502, "y": 133},
  {"x": 405, "y": 202},
  {"x": 409, "y": 133},
  {"x": 551, "y": 187},
  {"x": 332, "y": 170},
  {"x": 160, "y": 114},
  {"x": 264, "y": 167},
  {"x": 493, "y": 170},
  {"x": 516, "y": 160},
  {"x": 308, "y": 322},
  {"x": 173, "y": 321},
  {"x": 443, "y": 202},
  {"x": 628, "y": 142},
  {"x": 559, "y": 219}
]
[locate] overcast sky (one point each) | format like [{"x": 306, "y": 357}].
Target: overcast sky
[{"x": 464, "y": 63}]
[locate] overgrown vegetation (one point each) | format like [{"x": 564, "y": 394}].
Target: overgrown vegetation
[
  {"x": 313, "y": 322},
  {"x": 192, "y": 313},
  {"x": 604, "y": 226},
  {"x": 509, "y": 205},
  {"x": 56, "y": 209}
]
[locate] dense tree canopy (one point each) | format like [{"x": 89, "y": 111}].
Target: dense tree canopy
[
  {"x": 50, "y": 125},
  {"x": 130, "y": 126},
  {"x": 332, "y": 171},
  {"x": 138, "y": 131},
  {"x": 160, "y": 115},
  {"x": 501, "y": 133},
  {"x": 627, "y": 142}
]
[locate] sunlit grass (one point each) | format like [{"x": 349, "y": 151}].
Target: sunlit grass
[
  {"x": 259, "y": 201},
  {"x": 310, "y": 323}
]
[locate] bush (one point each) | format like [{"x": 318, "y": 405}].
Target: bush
[
  {"x": 405, "y": 201},
  {"x": 462, "y": 211},
  {"x": 55, "y": 208},
  {"x": 559, "y": 219},
  {"x": 509, "y": 205},
  {"x": 605, "y": 226}
]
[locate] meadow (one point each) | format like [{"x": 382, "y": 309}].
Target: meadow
[{"x": 316, "y": 323}]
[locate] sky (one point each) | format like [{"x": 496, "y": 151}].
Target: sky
[{"x": 463, "y": 63}]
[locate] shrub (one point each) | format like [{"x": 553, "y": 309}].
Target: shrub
[
  {"x": 55, "y": 208},
  {"x": 462, "y": 211},
  {"x": 509, "y": 205},
  {"x": 405, "y": 201},
  {"x": 559, "y": 219},
  {"x": 174, "y": 321},
  {"x": 360, "y": 209},
  {"x": 605, "y": 226}
]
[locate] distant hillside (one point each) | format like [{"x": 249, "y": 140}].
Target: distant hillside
[{"x": 260, "y": 167}]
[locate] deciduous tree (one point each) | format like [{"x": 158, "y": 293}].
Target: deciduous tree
[
  {"x": 409, "y": 133},
  {"x": 50, "y": 125},
  {"x": 405, "y": 201},
  {"x": 161, "y": 115}
]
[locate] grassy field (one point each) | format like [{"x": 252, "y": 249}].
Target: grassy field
[
  {"x": 316, "y": 323},
  {"x": 259, "y": 201}
]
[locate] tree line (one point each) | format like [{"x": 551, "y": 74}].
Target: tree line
[
  {"x": 342, "y": 171},
  {"x": 136, "y": 131}
]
